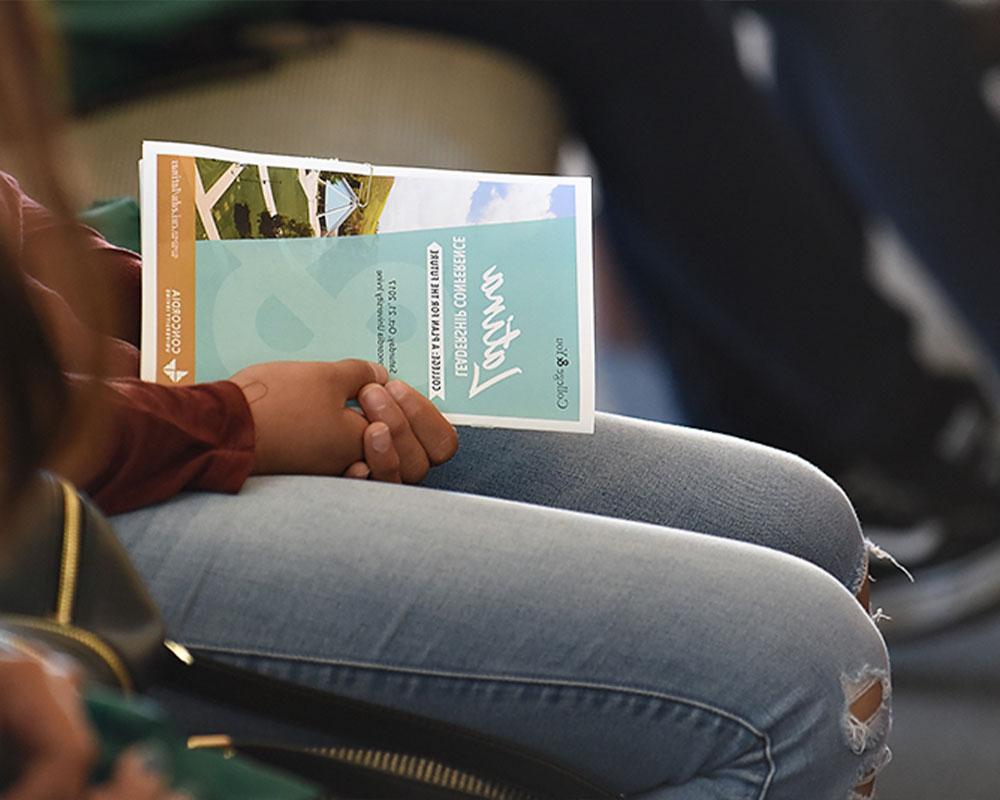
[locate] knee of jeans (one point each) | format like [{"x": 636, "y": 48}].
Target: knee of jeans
[{"x": 828, "y": 532}]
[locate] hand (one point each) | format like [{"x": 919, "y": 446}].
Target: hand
[
  {"x": 300, "y": 414},
  {"x": 135, "y": 778},
  {"x": 407, "y": 433},
  {"x": 42, "y": 715}
]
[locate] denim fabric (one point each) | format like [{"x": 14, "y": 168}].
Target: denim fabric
[{"x": 649, "y": 635}]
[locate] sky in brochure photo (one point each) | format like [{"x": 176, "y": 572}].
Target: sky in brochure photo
[{"x": 417, "y": 203}]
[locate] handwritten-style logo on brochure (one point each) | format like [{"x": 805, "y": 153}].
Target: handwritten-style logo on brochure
[
  {"x": 494, "y": 324},
  {"x": 171, "y": 371}
]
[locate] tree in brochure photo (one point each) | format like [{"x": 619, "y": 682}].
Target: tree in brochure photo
[{"x": 475, "y": 288}]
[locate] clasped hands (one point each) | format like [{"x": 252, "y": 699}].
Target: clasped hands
[{"x": 304, "y": 425}]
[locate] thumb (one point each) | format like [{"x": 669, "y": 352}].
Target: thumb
[{"x": 353, "y": 373}]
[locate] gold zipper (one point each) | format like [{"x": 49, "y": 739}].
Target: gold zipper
[
  {"x": 212, "y": 741},
  {"x": 70, "y": 565},
  {"x": 400, "y": 765},
  {"x": 422, "y": 770},
  {"x": 179, "y": 651},
  {"x": 69, "y": 568},
  {"x": 86, "y": 638}
]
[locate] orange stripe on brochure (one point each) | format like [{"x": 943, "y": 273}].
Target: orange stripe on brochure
[{"x": 175, "y": 227}]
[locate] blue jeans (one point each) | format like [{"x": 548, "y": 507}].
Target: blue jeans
[{"x": 667, "y": 610}]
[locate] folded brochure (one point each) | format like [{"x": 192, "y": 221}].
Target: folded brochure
[{"x": 475, "y": 288}]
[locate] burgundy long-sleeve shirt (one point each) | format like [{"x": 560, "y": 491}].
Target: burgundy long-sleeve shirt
[{"x": 164, "y": 439}]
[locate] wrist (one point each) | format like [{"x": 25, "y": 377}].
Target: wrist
[{"x": 248, "y": 438}]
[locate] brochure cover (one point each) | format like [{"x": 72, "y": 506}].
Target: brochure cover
[{"x": 475, "y": 288}]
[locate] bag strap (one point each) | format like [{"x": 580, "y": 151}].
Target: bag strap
[{"x": 370, "y": 724}]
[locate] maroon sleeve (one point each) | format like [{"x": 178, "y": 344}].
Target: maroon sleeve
[
  {"x": 162, "y": 439},
  {"x": 166, "y": 439},
  {"x": 45, "y": 239}
]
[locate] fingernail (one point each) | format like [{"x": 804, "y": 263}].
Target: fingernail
[
  {"x": 364, "y": 472},
  {"x": 375, "y": 397},
  {"x": 381, "y": 373},
  {"x": 397, "y": 389},
  {"x": 381, "y": 440}
]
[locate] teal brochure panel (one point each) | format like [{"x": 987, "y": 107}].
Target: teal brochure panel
[{"x": 483, "y": 319}]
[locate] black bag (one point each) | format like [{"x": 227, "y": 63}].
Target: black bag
[{"x": 68, "y": 583}]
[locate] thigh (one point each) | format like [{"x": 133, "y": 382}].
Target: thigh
[
  {"x": 671, "y": 476},
  {"x": 601, "y": 642}
]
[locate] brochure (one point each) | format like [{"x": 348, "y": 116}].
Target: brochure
[{"x": 475, "y": 288}]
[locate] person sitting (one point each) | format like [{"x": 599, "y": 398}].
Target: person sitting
[{"x": 671, "y": 612}]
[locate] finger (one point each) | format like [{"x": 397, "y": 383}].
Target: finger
[
  {"x": 42, "y": 712},
  {"x": 380, "y": 453},
  {"x": 437, "y": 436},
  {"x": 380, "y": 407},
  {"x": 351, "y": 425},
  {"x": 351, "y": 374},
  {"x": 358, "y": 470}
]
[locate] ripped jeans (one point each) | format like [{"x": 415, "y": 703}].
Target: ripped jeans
[{"x": 667, "y": 610}]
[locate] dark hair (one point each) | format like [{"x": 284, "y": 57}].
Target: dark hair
[
  {"x": 33, "y": 392},
  {"x": 36, "y": 415}
]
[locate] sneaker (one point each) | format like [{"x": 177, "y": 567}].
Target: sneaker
[{"x": 934, "y": 521}]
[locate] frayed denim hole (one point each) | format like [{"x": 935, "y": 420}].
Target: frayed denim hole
[
  {"x": 873, "y": 551},
  {"x": 866, "y": 737},
  {"x": 878, "y": 615},
  {"x": 861, "y": 734},
  {"x": 876, "y": 552},
  {"x": 868, "y": 772}
]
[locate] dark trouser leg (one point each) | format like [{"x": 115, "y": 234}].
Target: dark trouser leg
[
  {"x": 890, "y": 94},
  {"x": 743, "y": 250}
]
